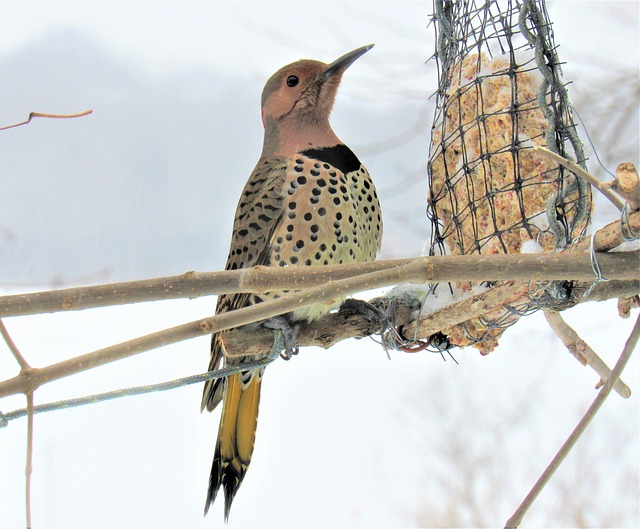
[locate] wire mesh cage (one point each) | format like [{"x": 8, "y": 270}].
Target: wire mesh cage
[{"x": 501, "y": 93}]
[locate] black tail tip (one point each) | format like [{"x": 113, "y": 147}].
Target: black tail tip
[{"x": 230, "y": 486}]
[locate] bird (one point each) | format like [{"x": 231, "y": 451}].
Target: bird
[{"x": 308, "y": 201}]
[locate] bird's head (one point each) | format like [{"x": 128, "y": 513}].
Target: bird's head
[{"x": 299, "y": 97}]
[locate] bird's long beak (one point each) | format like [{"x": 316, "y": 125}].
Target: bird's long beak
[{"x": 341, "y": 64}]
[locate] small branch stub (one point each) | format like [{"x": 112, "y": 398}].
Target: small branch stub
[
  {"x": 43, "y": 115},
  {"x": 627, "y": 184}
]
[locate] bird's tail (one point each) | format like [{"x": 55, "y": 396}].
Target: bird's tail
[{"x": 236, "y": 436}]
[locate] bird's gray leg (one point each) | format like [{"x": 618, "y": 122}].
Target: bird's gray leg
[
  {"x": 378, "y": 320},
  {"x": 281, "y": 324}
]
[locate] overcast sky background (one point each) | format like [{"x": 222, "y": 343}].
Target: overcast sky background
[{"x": 147, "y": 186}]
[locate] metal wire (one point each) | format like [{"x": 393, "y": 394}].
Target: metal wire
[
  {"x": 625, "y": 225},
  {"x": 596, "y": 268},
  {"x": 140, "y": 390}
]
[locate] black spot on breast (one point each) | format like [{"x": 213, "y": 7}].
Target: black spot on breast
[{"x": 339, "y": 156}]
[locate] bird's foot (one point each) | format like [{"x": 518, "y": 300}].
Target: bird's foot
[
  {"x": 281, "y": 324},
  {"x": 378, "y": 320}
]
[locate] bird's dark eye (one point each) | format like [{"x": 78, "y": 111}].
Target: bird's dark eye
[{"x": 292, "y": 80}]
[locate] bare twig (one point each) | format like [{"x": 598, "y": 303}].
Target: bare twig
[
  {"x": 582, "y": 351},
  {"x": 29, "y": 461},
  {"x": 13, "y": 348},
  {"x": 576, "y": 169},
  {"x": 260, "y": 279},
  {"x": 42, "y": 115},
  {"x": 632, "y": 341}
]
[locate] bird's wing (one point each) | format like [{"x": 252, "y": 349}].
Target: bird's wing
[{"x": 258, "y": 215}]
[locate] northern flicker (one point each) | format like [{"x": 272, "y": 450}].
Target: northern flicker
[{"x": 309, "y": 201}]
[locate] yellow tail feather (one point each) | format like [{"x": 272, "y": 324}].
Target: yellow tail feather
[{"x": 236, "y": 436}]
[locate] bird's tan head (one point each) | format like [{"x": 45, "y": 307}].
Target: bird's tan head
[{"x": 301, "y": 96}]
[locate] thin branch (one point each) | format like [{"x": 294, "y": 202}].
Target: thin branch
[
  {"x": 576, "y": 169},
  {"x": 42, "y": 115},
  {"x": 582, "y": 351},
  {"x": 188, "y": 285},
  {"x": 13, "y": 348},
  {"x": 29, "y": 461},
  {"x": 263, "y": 278},
  {"x": 632, "y": 341}
]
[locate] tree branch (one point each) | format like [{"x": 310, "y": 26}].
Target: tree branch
[
  {"x": 24, "y": 365},
  {"x": 420, "y": 270},
  {"x": 32, "y": 379},
  {"x": 632, "y": 341},
  {"x": 582, "y": 351},
  {"x": 335, "y": 327},
  {"x": 191, "y": 285}
]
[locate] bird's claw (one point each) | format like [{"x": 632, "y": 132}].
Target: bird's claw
[
  {"x": 378, "y": 320},
  {"x": 281, "y": 324}
]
